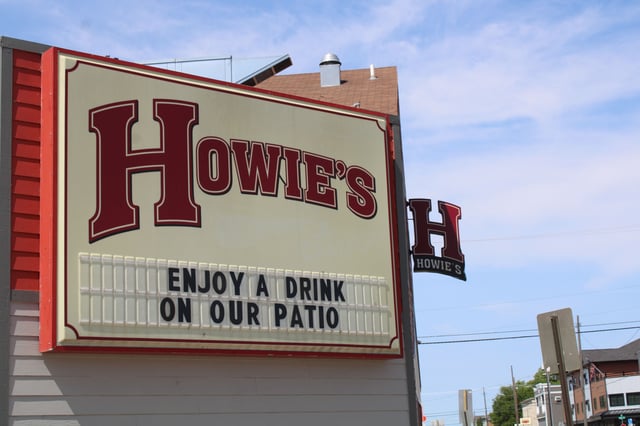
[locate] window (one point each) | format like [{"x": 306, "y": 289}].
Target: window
[
  {"x": 633, "y": 398},
  {"x": 616, "y": 400},
  {"x": 603, "y": 402},
  {"x": 595, "y": 404}
]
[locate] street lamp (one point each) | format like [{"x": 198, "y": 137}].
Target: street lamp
[{"x": 549, "y": 415}]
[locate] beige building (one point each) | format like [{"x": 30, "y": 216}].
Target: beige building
[{"x": 529, "y": 412}]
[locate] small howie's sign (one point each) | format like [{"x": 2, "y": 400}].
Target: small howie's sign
[
  {"x": 198, "y": 215},
  {"x": 451, "y": 260}
]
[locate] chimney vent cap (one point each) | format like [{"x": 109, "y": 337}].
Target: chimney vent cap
[{"x": 330, "y": 58}]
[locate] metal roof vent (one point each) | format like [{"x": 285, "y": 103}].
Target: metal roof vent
[{"x": 330, "y": 70}]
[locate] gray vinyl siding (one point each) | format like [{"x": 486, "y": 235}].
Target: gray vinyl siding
[{"x": 155, "y": 389}]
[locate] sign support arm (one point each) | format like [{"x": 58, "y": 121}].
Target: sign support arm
[{"x": 562, "y": 371}]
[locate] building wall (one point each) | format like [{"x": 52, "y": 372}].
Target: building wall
[
  {"x": 529, "y": 413},
  {"x": 619, "y": 367},
  {"x": 159, "y": 389},
  {"x": 544, "y": 404},
  {"x": 623, "y": 385},
  {"x": 598, "y": 390},
  {"x": 25, "y": 166},
  {"x": 578, "y": 404},
  {"x": 108, "y": 389},
  {"x": 588, "y": 395}
]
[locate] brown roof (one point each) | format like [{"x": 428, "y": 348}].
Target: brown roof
[
  {"x": 628, "y": 352},
  {"x": 357, "y": 88}
]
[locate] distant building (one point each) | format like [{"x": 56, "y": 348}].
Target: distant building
[
  {"x": 529, "y": 412},
  {"x": 607, "y": 390},
  {"x": 548, "y": 401},
  {"x": 480, "y": 420}
]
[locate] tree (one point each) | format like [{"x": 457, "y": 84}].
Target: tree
[
  {"x": 503, "y": 410},
  {"x": 541, "y": 377}
]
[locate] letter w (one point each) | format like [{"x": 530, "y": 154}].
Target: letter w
[
  {"x": 423, "y": 228},
  {"x": 257, "y": 170},
  {"x": 117, "y": 162}
]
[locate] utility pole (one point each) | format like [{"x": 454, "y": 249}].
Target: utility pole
[
  {"x": 549, "y": 419},
  {"x": 584, "y": 394},
  {"x": 515, "y": 397},
  {"x": 486, "y": 416}
]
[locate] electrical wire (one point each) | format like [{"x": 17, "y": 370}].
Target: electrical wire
[
  {"x": 528, "y": 330},
  {"x": 524, "y": 336},
  {"x": 612, "y": 230}
]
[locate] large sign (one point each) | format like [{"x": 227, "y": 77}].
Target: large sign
[{"x": 184, "y": 213}]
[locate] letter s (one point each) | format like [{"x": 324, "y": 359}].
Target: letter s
[{"x": 360, "y": 198}]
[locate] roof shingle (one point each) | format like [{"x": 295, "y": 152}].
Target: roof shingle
[
  {"x": 627, "y": 352},
  {"x": 356, "y": 89}
]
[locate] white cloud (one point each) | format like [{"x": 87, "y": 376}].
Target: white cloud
[
  {"x": 523, "y": 207},
  {"x": 507, "y": 120},
  {"x": 536, "y": 69}
]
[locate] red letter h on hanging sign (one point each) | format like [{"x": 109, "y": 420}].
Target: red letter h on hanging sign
[{"x": 424, "y": 259}]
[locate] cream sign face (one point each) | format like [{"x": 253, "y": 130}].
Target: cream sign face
[{"x": 195, "y": 215}]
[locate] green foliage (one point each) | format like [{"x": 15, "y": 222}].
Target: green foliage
[
  {"x": 541, "y": 377},
  {"x": 503, "y": 410}
]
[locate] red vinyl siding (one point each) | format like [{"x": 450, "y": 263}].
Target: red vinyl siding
[{"x": 25, "y": 188}]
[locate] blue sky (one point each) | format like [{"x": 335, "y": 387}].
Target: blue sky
[{"x": 525, "y": 114}]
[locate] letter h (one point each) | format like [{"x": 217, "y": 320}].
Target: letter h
[
  {"x": 117, "y": 162},
  {"x": 423, "y": 228}
]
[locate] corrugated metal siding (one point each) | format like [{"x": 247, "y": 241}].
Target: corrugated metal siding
[{"x": 25, "y": 190}]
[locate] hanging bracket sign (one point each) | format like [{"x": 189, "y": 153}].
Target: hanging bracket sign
[{"x": 451, "y": 261}]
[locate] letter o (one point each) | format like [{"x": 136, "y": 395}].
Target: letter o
[
  {"x": 216, "y": 311},
  {"x": 219, "y": 282},
  {"x": 332, "y": 317},
  {"x": 167, "y": 309},
  {"x": 209, "y": 148}
]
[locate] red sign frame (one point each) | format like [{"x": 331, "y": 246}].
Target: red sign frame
[{"x": 54, "y": 272}]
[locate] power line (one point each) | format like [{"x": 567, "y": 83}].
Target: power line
[
  {"x": 583, "y": 232},
  {"x": 488, "y": 339},
  {"x": 529, "y": 330},
  {"x": 529, "y": 336},
  {"x": 609, "y": 323},
  {"x": 610, "y": 329},
  {"x": 479, "y": 333}
]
